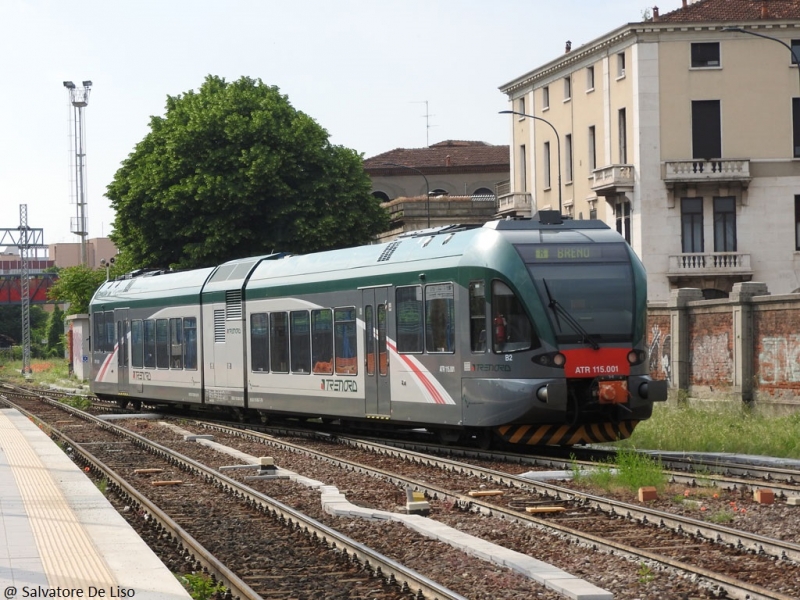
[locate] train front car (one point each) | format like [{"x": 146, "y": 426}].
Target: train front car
[{"x": 585, "y": 291}]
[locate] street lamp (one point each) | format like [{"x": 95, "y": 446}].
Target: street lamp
[
  {"x": 558, "y": 146},
  {"x": 427, "y": 188},
  {"x": 767, "y": 37},
  {"x": 107, "y": 264}
]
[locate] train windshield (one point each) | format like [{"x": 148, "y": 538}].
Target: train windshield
[{"x": 588, "y": 289}]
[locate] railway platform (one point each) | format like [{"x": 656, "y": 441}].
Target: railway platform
[{"x": 59, "y": 536}]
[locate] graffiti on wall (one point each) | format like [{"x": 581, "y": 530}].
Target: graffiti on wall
[
  {"x": 659, "y": 352},
  {"x": 779, "y": 360},
  {"x": 711, "y": 359}
]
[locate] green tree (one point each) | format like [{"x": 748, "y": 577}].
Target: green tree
[
  {"x": 55, "y": 333},
  {"x": 11, "y": 322},
  {"x": 76, "y": 286},
  {"x": 233, "y": 170}
]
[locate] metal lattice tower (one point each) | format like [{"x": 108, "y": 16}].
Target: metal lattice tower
[{"x": 79, "y": 99}]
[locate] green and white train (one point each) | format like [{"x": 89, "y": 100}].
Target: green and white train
[{"x": 528, "y": 331}]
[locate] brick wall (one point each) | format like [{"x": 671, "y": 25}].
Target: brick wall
[{"x": 711, "y": 347}]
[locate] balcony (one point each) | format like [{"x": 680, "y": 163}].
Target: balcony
[
  {"x": 613, "y": 180},
  {"x": 712, "y": 264},
  {"x": 512, "y": 204},
  {"x": 707, "y": 171}
]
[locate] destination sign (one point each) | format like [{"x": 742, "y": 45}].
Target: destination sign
[{"x": 574, "y": 253}]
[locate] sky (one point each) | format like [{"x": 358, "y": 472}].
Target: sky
[{"x": 376, "y": 74}]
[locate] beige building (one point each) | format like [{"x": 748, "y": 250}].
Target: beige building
[
  {"x": 69, "y": 254},
  {"x": 683, "y": 136}
]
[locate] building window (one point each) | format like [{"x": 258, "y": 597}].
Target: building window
[
  {"x": 589, "y": 79},
  {"x": 523, "y": 169},
  {"x": 796, "y": 126},
  {"x": 795, "y": 51},
  {"x": 797, "y": 223},
  {"x": 545, "y": 98},
  {"x": 725, "y": 224},
  {"x": 622, "y": 213},
  {"x": 592, "y": 149},
  {"x": 521, "y": 106},
  {"x": 691, "y": 225},
  {"x": 623, "y": 137},
  {"x": 706, "y": 129},
  {"x": 567, "y": 88},
  {"x": 705, "y": 55},
  {"x": 546, "y": 165},
  {"x": 568, "y": 156},
  {"x": 593, "y": 212},
  {"x": 620, "y": 65}
]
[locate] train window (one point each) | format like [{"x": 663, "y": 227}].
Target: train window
[
  {"x": 369, "y": 338},
  {"x": 344, "y": 331},
  {"x": 109, "y": 346},
  {"x": 300, "y": 341},
  {"x": 383, "y": 356},
  {"x": 279, "y": 342},
  {"x": 137, "y": 344},
  {"x": 150, "y": 344},
  {"x": 176, "y": 343},
  {"x": 409, "y": 319},
  {"x": 162, "y": 344},
  {"x": 322, "y": 341},
  {"x": 477, "y": 316},
  {"x": 190, "y": 346},
  {"x": 259, "y": 343},
  {"x": 120, "y": 343},
  {"x": 439, "y": 318},
  {"x": 99, "y": 337},
  {"x": 511, "y": 329}
]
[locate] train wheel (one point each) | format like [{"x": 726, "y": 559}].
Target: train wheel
[
  {"x": 137, "y": 404},
  {"x": 484, "y": 439},
  {"x": 448, "y": 437},
  {"x": 122, "y": 403}
]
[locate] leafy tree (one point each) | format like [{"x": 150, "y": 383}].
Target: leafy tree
[
  {"x": 11, "y": 322},
  {"x": 233, "y": 170},
  {"x": 55, "y": 332},
  {"x": 76, "y": 286}
]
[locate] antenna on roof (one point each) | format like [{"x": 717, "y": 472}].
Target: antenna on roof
[{"x": 427, "y": 116}]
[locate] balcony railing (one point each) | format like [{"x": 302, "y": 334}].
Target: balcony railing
[
  {"x": 712, "y": 263},
  {"x": 697, "y": 170},
  {"x": 514, "y": 204},
  {"x": 613, "y": 180}
]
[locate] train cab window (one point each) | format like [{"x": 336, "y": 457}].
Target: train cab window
[
  {"x": 346, "y": 350},
  {"x": 477, "y": 316},
  {"x": 259, "y": 343},
  {"x": 409, "y": 318},
  {"x": 190, "y": 343},
  {"x": 439, "y": 318},
  {"x": 279, "y": 342},
  {"x": 300, "y": 341},
  {"x": 176, "y": 344},
  {"x": 322, "y": 341},
  {"x": 150, "y": 344},
  {"x": 511, "y": 329},
  {"x": 137, "y": 344},
  {"x": 162, "y": 343}
]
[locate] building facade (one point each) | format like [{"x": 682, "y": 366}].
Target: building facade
[{"x": 681, "y": 133}]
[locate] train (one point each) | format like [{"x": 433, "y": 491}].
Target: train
[{"x": 518, "y": 331}]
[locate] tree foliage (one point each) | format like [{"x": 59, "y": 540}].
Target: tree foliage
[
  {"x": 55, "y": 332},
  {"x": 76, "y": 286},
  {"x": 233, "y": 170}
]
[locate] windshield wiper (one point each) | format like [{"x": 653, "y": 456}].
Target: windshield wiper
[{"x": 571, "y": 321}]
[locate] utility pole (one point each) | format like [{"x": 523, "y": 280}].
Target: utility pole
[
  {"x": 79, "y": 98},
  {"x": 25, "y": 239}
]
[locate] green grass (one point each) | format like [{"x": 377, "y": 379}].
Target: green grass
[
  {"x": 628, "y": 470},
  {"x": 52, "y": 371},
  {"x": 718, "y": 426}
]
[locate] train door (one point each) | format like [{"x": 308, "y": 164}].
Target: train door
[
  {"x": 121, "y": 320},
  {"x": 377, "y": 394}
]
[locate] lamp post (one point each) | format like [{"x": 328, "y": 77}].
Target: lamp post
[
  {"x": 427, "y": 188},
  {"x": 107, "y": 264},
  {"x": 558, "y": 146},
  {"x": 79, "y": 98},
  {"x": 767, "y": 37}
]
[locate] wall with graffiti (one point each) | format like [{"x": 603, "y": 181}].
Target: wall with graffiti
[
  {"x": 659, "y": 344},
  {"x": 777, "y": 355}
]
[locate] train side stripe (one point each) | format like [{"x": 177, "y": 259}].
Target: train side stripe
[
  {"x": 422, "y": 376},
  {"x": 106, "y": 364}
]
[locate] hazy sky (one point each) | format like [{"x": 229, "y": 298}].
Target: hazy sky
[{"x": 363, "y": 69}]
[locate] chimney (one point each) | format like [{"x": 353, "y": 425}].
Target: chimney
[
  {"x": 764, "y": 11},
  {"x": 684, "y": 3},
  {"x": 568, "y": 47},
  {"x": 447, "y": 161},
  {"x": 655, "y": 13}
]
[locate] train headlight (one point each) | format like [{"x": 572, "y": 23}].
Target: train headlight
[
  {"x": 559, "y": 359},
  {"x": 551, "y": 359},
  {"x": 636, "y": 357}
]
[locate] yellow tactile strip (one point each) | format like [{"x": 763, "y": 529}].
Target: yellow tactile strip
[{"x": 70, "y": 559}]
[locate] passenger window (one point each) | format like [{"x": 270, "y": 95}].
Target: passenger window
[
  {"x": 322, "y": 341},
  {"x": 109, "y": 345},
  {"x": 176, "y": 345},
  {"x": 477, "y": 316},
  {"x": 300, "y": 342},
  {"x": 137, "y": 344},
  {"x": 383, "y": 355},
  {"x": 190, "y": 346},
  {"x": 345, "y": 340},
  {"x": 439, "y": 318},
  {"x": 511, "y": 328},
  {"x": 259, "y": 343},
  {"x": 150, "y": 344},
  {"x": 369, "y": 337},
  {"x": 279, "y": 342},
  {"x": 162, "y": 344},
  {"x": 409, "y": 319}
]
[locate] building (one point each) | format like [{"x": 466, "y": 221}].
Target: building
[
  {"x": 69, "y": 254},
  {"x": 682, "y": 135},
  {"x": 443, "y": 184}
]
